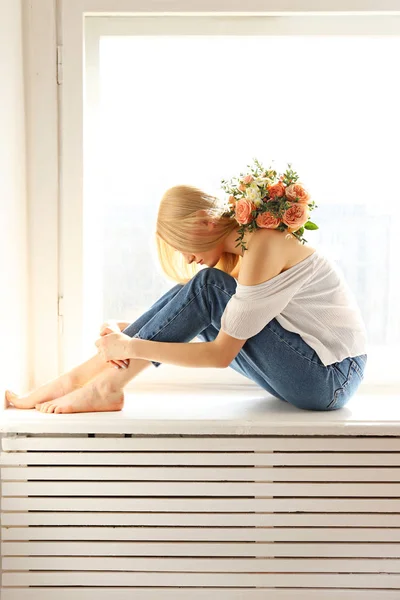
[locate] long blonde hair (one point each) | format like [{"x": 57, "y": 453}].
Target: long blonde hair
[{"x": 176, "y": 232}]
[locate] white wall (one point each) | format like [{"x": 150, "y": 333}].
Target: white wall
[{"x": 13, "y": 204}]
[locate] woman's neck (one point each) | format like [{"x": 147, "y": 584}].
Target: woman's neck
[{"x": 231, "y": 241}]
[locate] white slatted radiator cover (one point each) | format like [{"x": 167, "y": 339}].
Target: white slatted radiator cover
[{"x": 121, "y": 516}]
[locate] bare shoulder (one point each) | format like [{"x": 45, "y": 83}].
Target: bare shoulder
[{"x": 270, "y": 252}]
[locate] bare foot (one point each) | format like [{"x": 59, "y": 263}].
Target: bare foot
[
  {"x": 89, "y": 398},
  {"x": 54, "y": 389}
]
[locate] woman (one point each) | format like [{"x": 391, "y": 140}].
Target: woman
[{"x": 279, "y": 313}]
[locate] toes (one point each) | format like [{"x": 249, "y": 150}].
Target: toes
[
  {"x": 50, "y": 407},
  {"x": 8, "y": 398}
]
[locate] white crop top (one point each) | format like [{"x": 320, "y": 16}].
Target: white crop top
[{"x": 311, "y": 299}]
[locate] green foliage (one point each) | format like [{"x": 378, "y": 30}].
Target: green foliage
[{"x": 311, "y": 225}]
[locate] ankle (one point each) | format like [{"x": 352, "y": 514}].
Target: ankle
[
  {"x": 71, "y": 381},
  {"x": 106, "y": 387}
]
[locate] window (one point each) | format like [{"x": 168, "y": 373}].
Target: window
[{"x": 191, "y": 100}]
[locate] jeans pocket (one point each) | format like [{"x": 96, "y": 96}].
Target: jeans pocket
[{"x": 348, "y": 387}]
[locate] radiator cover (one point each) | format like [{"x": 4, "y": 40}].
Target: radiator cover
[{"x": 123, "y": 515}]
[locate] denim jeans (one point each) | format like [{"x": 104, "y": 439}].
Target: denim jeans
[{"x": 279, "y": 361}]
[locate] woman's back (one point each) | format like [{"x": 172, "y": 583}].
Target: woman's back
[{"x": 291, "y": 250}]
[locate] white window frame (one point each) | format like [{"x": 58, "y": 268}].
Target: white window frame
[{"x": 69, "y": 16}]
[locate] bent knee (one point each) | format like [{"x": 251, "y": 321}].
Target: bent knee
[{"x": 212, "y": 274}]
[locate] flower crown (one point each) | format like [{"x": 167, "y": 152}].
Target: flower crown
[{"x": 260, "y": 199}]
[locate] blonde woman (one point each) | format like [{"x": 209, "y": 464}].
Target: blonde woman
[{"x": 279, "y": 313}]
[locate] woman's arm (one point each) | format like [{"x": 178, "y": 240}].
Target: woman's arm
[
  {"x": 184, "y": 354},
  {"x": 118, "y": 346}
]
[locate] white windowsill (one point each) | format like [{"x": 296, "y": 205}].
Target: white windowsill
[{"x": 225, "y": 412}]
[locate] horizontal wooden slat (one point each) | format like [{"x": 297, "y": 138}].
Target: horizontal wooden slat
[
  {"x": 209, "y": 565},
  {"x": 206, "y": 443},
  {"x": 234, "y": 534},
  {"x": 201, "y": 519},
  {"x": 210, "y": 504},
  {"x": 195, "y": 488},
  {"x": 189, "y": 473},
  {"x": 174, "y": 593},
  {"x": 258, "y": 459},
  {"x": 256, "y": 549},
  {"x": 311, "y": 541},
  {"x": 356, "y": 580}
]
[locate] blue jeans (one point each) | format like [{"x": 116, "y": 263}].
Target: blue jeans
[{"x": 278, "y": 360}]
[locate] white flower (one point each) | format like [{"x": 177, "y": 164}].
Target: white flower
[{"x": 253, "y": 193}]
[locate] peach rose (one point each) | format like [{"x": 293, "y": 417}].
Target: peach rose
[
  {"x": 295, "y": 190},
  {"x": 248, "y": 179},
  {"x": 276, "y": 191},
  {"x": 241, "y": 187},
  {"x": 243, "y": 211},
  {"x": 296, "y": 216},
  {"x": 267, "y": 220},
  {"x": 232, "y": 201}
]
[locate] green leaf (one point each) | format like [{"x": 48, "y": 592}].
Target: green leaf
[{"x": 311, "y": 225}]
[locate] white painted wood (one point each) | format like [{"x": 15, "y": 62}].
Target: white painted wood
[
  {"x": 195, "y": 488},
  {"x": 71, "y": 143},
  {"x": 39, "y": 20},
  {"x": 256, "y": 459},
  {"x": 210, "y": 504},
  {"x": 64, "y": 578},
  {"x": 235, "y": 6},
  {"x": 148, "y": 473},
  {"x": 207, "y": 565},
  {"x": 242, "y": 414},
  {"x": 196, "y": 414},
  {"x": 245, "y": 25},
  {"x": 293, "y": 512},
  {"x": 201, "y": 519},
  {"x": 217, "y": 534},
  {"x": 14, "y": 250},
  {"x": 234, "y": 549},
  {"x": 121, "y": 593}
]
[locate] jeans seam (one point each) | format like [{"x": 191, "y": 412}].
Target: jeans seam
[
  {"x": 342, "y": 389},
  {"x": 357, "y": 368},
  {"x": 333, "y": 402}
]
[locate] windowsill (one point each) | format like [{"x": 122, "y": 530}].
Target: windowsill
[{"x": 225, "y": 412}]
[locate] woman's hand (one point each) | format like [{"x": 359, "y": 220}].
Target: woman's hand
[
  {"x": 113, "y": 326},
  {"x": 114, "y": 346}
]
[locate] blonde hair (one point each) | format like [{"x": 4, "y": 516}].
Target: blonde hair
[{"x": 176, "y": 232}]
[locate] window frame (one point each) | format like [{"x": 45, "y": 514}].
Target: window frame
[{"x": 73, "y": 19}]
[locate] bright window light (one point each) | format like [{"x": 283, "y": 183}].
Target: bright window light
[{"x": 196, "y": 109}]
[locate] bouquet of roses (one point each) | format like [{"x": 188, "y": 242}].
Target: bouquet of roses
[{"x": 261, "y": 199}]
